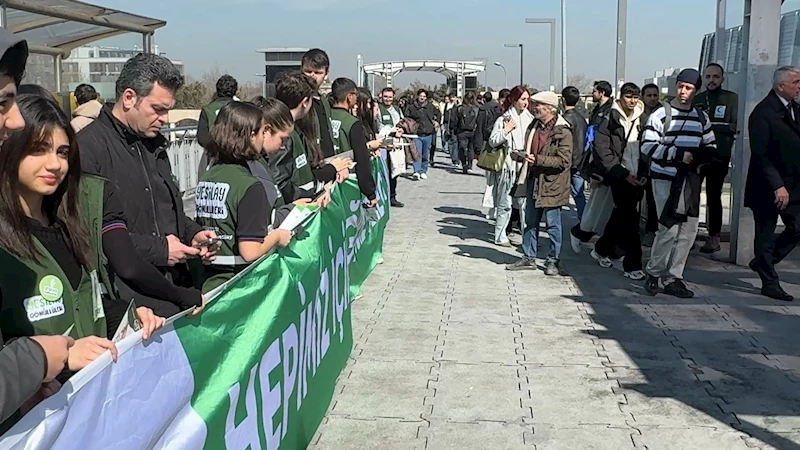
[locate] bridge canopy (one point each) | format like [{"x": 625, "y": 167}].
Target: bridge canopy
[
  {"x": 449, "y": 69},
  {"x": 55, "y": 27}
]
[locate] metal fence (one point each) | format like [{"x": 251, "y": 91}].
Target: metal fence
[{"x": 185, "y": 155}]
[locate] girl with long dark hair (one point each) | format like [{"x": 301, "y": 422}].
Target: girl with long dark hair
[
  {"x": 231, "y": 199},
  {"x": 58, "y": 232}
]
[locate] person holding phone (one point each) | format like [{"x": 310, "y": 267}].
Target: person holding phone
[
  {"x": 616, "y": 157},
  {"x": 230, "y": 199}
]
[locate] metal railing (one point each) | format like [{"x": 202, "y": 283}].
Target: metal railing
[{"x": 185, "y": 155}]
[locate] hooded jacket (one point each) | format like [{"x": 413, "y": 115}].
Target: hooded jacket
[
  {"x": 616, "y": 144},
  {"x": 579, "y": 124},
  {"x": 85, "y": 114}
]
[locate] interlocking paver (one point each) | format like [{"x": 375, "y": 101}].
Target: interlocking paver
[{"x": 453, "y": 351}]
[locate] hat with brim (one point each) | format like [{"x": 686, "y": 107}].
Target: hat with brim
[{"x": 546, "y": 98}]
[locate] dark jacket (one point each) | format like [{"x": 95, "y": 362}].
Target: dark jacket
[
  {"x": 134, "y": 165},
  {"x": 487, "y": 116},
  {"x": 425, "y": 115},
  {"x": 722, "y": 107},
  {"x": 600, "y": 112},
  {"x": 578, "y": 124},
  {"x": 22, "y": 369},
  {"x": 610, "y": 142},
  {"x": 774, "y": 161},
  {"x": 551, "y": 171}
]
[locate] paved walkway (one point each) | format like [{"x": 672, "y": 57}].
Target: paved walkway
[{"x": 453, "y": 352}]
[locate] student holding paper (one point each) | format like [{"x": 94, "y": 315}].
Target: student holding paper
[
  {"x": 58, "y": 232},
  {"x": 230, "y": 199}
]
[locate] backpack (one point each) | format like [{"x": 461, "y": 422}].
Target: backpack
[
  {"x": 469, "y": 117},
  {"x": 668, "y": 116},
  {"x": 494, "y": 114}
]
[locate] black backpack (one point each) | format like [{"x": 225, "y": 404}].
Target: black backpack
[{"x": 469, "y": 117}]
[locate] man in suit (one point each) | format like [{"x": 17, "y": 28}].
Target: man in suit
[{"x": 773, "y": 185}]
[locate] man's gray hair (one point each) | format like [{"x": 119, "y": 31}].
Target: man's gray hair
[
  {"x": 782, "y": 74},
  {"x": 146, "y": 69}
]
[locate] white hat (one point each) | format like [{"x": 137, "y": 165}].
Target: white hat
[{"x": 547, "y": 98}]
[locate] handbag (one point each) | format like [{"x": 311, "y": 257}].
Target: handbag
[{"x": 493, "y": 159}]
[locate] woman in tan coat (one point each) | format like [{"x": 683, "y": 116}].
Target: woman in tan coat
[
  {"x": 545, "y": 179},
  {"x": 88, "y": 107}
]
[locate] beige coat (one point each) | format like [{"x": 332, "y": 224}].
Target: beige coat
[
  {"x": 551, "y": 169},
  {"x": 85, "y": 114}
]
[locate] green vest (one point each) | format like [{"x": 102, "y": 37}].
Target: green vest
[
  {"x": 386, "y": 115},
  {"x": 326, "y": 105},
  {"x": 37, "y": 296},
  {"x": 217, "y": 199},
  {"x": 302, "y": 175},
  {"x": 722, "y": 108},
  {"x": 212, "y": 109},
  {"x": 342, "y": 122}
]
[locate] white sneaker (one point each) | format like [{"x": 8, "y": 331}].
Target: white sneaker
[
  {"x": 635, "y": 275},
  {"x": 415, "y": 177},
  {"x": 575, "y": 243},
  {"x": 424, "y": 176},
  {"x": 602, "y": 260}
]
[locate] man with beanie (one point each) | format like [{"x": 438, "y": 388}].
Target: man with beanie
[
  {"x": 722, "y": 107},
  {"x": 678, "y": 140},
  {"x": 545, "y": 180}
]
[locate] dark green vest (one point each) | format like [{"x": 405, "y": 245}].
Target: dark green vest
[
  {"x": 722, "y": 109},
  {"x": 386, "y": 116},
  {"x": 302, "y": 175},
  {"x": 37, "y": 296},
  {"x": 212, "y": 109},
  {"x": 217, "y": 199},
  {"x": 342, "y": 122},
  {"x": 318, "y": 125}
]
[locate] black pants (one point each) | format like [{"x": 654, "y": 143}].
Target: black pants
[
  {"x": 392, "y": 180},
  {"x": 651, "y": 224},
  {"x": 770, "y": 250},
  {"x": 622, "y": 229},
  {"x": 466, "y": 148},
  {"x": 715, "y": 174}
]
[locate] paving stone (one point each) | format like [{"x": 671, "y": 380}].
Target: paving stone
[
  {"x": 573, "y": 397},
  {"x": 483, "y": 310},
  {"x": 340, "y": 433},
  {"x": 401, "y": 340},
  {"x": 486, "y": 392},
  {"x": 559, "y": 346},
  {"x": 477, "y": 436},
  {"x": 691, "y": 438},
  {"x": 585, "y": 438},
  {"x": 384, "y": 389},
  {"x": 480, "y": 343},
  {"x": 562, "y": 313}
]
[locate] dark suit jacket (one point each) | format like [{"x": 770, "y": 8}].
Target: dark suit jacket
[{"x": 775, "y": 159}]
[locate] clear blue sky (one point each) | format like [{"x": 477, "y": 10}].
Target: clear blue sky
[{"x": 208, "y": 33}]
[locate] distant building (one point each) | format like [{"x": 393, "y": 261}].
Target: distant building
[
  {"x": 732, "y": 58},
  {"x": 278, "y": 61},
  {"x": 665, "y": 80}
]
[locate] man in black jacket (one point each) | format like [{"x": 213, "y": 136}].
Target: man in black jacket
[
  {"x": 463, "y": 124},
  {"x": 427, "y": 117},
  {"x": 601, "y": 94},
  {"x": 125, "y": 146},
  {"x": 773, "y": 188},
  {"x": 616, "y": 151},
  {"x": 488, "y": 113},
  {"x": 570, "y": 97}
]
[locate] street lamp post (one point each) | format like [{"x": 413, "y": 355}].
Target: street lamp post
[
  {"x": 505, "y": 74},
  {"x": 563, "y": 44},
  {"x": 521, "y": 61},
  {"x": 552, "y": 23},
  {"x": 622, "y": 37},
  {"x": 264, "y": 88}
]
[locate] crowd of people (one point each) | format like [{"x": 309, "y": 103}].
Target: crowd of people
[{"x": 94, "y": 224}]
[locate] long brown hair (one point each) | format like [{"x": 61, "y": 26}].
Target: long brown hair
[
  {"x": 230, "y": 139},
  {"x": 42, "y": 117}
]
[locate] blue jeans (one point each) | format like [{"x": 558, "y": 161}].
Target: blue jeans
[
  {"x": 533, "y": 215},
  {"x": 423, "y": 144},
  {"x": 451, "y": 144},
  {"x": 576, "y": 189}
]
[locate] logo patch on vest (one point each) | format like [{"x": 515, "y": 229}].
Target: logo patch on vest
[
  {"x": 211, "y": 200},
  {"x": 300, "y": 161},
  {"x": 336, "y": 125},
  {"x": 49, "y": 303}
]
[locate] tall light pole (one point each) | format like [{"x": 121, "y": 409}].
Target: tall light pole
[
  {"x": 505, "y": 74},
  {"x": 485, "y": 67},
  {"x": 552, "y": 23},
  {"x": 264, "y": 88},
  {"x": 622, "y": 36},
  {"x": 521, "y": 61},
  {"x": 563, "y": 44}
]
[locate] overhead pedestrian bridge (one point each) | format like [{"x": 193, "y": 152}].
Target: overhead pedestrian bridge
[{"x": 461, "y": 75}]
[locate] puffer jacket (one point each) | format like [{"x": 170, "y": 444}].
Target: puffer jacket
[
  {"x": 85, "y": 114},
  {"x": 552, "y": 167}
]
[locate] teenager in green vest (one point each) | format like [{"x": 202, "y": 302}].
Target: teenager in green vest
[
  {"x": 316, "y": 64},
  {"x": 349, "y": 134},
  {"x": 230, "y": 199},
  {"x": 55, "y": 224},
  {"x": 297, "y": 168}
]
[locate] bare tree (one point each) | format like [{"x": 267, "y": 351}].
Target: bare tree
[
  {"x": 582, "y": 82},
  {"x": 249, "y": 90}
]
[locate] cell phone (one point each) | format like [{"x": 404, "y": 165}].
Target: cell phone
[
  {"x": 209, "y": 243},
  {"x": 521, "y": 154}
]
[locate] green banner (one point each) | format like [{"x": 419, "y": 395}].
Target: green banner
[{"x": 266, "y": 357}]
